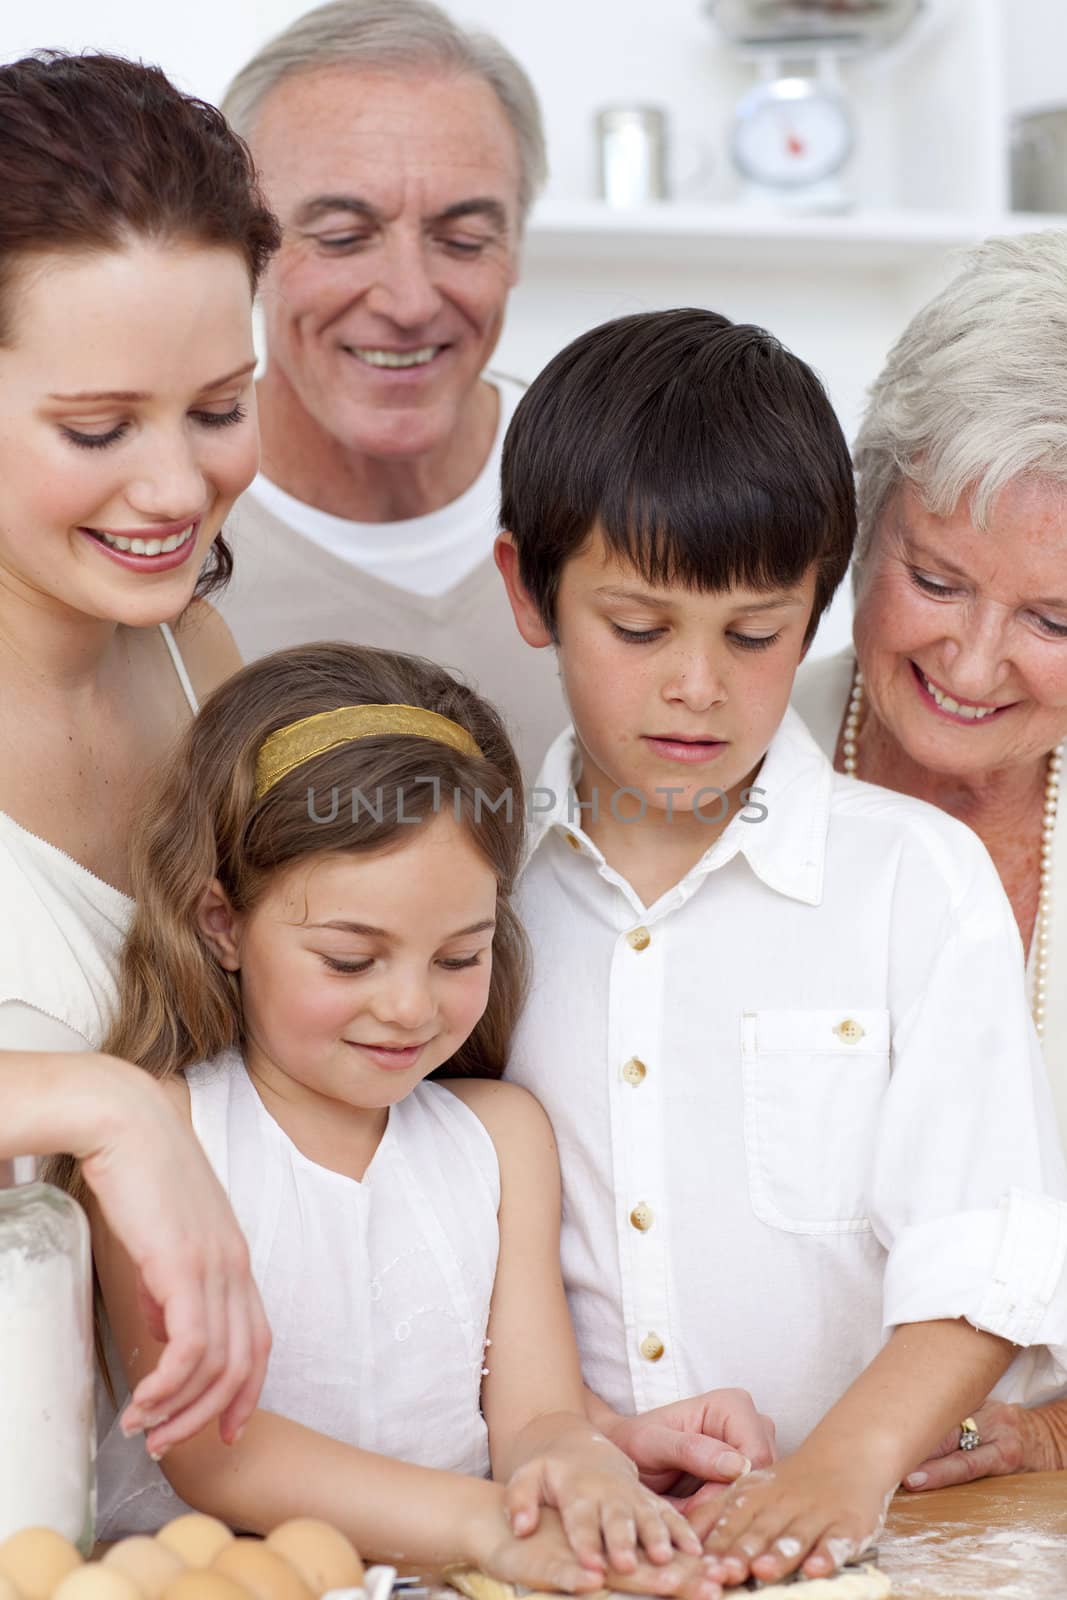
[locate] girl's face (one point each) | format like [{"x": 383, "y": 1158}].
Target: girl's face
[
  {"x": 127, "y": 425},
  {"x": 361, "y": 974}
]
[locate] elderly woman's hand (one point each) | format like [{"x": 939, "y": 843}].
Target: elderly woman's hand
[{"x": 1014, "y": 1439}]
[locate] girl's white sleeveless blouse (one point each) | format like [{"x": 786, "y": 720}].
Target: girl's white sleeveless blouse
[{"x": 377, "y": 1292}]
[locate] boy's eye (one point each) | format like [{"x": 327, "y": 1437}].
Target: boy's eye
[
  {"x": 636, "y": 636},
  {"x": 755, "y": 641}
]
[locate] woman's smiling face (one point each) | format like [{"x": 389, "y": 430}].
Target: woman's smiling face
[
  {"x": 961, "y": 634},
  {"x": 127, "y": 413}
]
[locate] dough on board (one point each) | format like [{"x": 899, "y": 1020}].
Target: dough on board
[{"x": 857, "y": 1583}]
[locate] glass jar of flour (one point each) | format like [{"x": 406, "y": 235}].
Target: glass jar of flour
[{"x": 46, "y": 1358}]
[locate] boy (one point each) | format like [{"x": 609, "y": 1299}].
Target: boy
[{"x": 778, "y": 1016}]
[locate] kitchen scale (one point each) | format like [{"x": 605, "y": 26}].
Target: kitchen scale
[{"x": 794, "y": 133}]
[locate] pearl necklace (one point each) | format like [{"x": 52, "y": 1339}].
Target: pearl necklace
[{"x": 1043, "y": 922}]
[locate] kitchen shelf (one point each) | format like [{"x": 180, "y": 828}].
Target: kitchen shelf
[{"x": 688, "y": 235}]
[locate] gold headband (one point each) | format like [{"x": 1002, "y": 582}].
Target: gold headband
[{"x": 289, "y": 747}]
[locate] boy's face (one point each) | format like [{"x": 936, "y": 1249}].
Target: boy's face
[{"x": 669, "y": 688}]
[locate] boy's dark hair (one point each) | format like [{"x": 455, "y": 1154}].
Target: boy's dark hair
[{"x": 706, "y": 453}]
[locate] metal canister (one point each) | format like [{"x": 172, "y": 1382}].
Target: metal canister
[{"x": 631, "y": 155}]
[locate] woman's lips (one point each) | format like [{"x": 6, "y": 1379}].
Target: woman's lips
[
  {"x": 691, "y": 751},
  {"x": 165, "y": 561},
  {"x": 957, "y": 718}
]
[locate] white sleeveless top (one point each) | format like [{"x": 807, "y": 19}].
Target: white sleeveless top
[
  {"x": 61, "y": 928},
  {"x": 377, "y": 1292}
]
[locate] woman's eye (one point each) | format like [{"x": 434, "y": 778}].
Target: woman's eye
[
  {"x": 636, "y": 636},
  {"x": 755, "y": 641},
  {"x": 928, "y": 585},
  {"x": 347, "y": 966},
  {"x": 221, "y": 419},
  {"x": 454, "y": 963},
  {"x": 95, "y": 441}
]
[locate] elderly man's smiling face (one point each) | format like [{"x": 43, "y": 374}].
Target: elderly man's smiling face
[{"x": 398, "y": 196}]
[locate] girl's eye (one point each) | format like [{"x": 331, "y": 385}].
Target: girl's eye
[
  {"x": 454, "y": 963},
  {"x": 95, "y": 441},
  {"x": 221, "y": 419},
  {"x": 928, "y": 585},
  {"x": 347, "y": 966},
  {"x": 635, "y": 636},
  {"x": 755, "y": 641}
]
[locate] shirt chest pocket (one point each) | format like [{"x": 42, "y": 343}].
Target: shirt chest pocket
[{"x": 813, "y": 1083}]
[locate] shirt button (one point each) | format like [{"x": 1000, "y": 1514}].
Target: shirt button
[
  {"x": 575, "y": 844},
  {"x": 634, "y": 1071},
  {"x": 850, "y": 1031},
  {"x": 651, "y": 1347},
  {"x": 639, "y": 938},
  {"x": 641, "y": 1217}
]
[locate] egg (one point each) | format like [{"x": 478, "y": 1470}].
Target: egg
[
  {"x": 200, "y": 1585},
  {"x": 320, "y": 1553},
  {"x": 265, "y": 1573},
  {"x": 150, "y": 1564},
  {"x": 196, "y": 1538},
  {"x": 96, "y": 1582},
  {"x": 8, "y": 1590},
  {"x": 36, "y": 1559}
]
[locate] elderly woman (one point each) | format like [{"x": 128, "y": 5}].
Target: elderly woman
[{"x": 956, "y": 691}]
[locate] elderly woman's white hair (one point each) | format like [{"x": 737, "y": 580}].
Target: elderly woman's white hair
[
  {"x": 400, "y": 35},
  {"x": 974, "y": 393}
]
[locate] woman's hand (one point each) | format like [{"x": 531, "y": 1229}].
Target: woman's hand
[
  {"x": 160, "y": 1200},
  {"x": 713, "y": 1438},
  {"x": 813, "y": 1511},
  {"x": 606, "y": 1513},
  {"x": 546, "y": 1559},
  {"x": 1014, "y": 1439}
]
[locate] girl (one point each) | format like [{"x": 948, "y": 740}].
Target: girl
[
  {"x": 324, "y": 971},
  {"x": 132, "y": 236}
]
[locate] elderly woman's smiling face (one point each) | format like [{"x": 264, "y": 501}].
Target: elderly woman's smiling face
[{"x": 961, "y": 633}]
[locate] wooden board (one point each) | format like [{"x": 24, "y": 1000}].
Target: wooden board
[{"x": 1002, "y": 1537}]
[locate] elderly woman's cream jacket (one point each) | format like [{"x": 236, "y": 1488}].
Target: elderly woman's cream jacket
[{"x": 821, "y": 696}]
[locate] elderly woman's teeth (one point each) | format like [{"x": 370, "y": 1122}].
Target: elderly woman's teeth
[
  {"x": 398, "y": 358},
  {"x": 946, "y": 702},
  {"x": 146, "y": 547}
]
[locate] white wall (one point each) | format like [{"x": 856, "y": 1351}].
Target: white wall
[{"x": 933, "y": 126}]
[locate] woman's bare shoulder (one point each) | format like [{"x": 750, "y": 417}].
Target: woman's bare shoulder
[{"x": 207, "y": 647}]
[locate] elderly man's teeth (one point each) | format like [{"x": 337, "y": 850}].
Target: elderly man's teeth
[
  {"x": 398, "y": 358},
  {"x": 146, "y": 547},
  {"x": 946, "y": 702}
]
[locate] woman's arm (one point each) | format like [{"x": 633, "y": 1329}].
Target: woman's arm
[
  {"x": 155, "y": 1189},
  {"x": 532, "y": 1395},
  {"x": 825, "y": 1503}
]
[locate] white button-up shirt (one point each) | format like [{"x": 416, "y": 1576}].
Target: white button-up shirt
[{"x": 798, "y": 1100}]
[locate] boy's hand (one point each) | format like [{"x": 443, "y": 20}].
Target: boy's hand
[
  {"x": 712, "y": 1438},
  {"x": 811, "y": 1512},
  {"x": 607, "y": 1515},
  {"x": 546, "y": 1559}
]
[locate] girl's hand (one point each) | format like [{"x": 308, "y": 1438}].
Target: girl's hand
[
  {"x": 162, "y": 1203},
  {"x": 546, "y": 1559},
  {"x": 809, "y": 1512},
  {"x": 609, "y": 1518}
]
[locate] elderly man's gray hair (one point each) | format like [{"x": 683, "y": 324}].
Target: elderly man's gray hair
[
  {"x": 974, "y": 393},
  {"x": 402, "y": 35}
]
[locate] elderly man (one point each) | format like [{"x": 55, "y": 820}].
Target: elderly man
[{"x": 401, "y": 155}]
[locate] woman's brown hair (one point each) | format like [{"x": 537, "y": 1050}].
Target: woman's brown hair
[
  {"x": 96, "y": 151},
  {"x": 202, "y": 820}
]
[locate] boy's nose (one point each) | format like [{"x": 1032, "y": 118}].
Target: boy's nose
[{"x": 697, "y": 684}]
